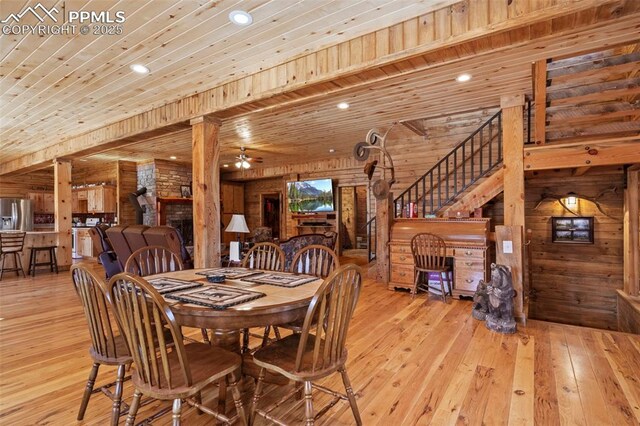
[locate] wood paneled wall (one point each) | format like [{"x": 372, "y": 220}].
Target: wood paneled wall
[
  {"x": 19, "y": 186},
  {"x": 95, "y": 173},
  {"x": 126, "y": 184},
  {"x": 576, "y": 283},
  {"x": 628, "y": 313},
  {"x": 252, "y": 191}
]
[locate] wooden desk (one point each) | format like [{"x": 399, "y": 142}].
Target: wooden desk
[{"x": 467, "y": 243}]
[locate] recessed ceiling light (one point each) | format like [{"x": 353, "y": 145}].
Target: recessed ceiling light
[
  {"x": 331, "y": 150},
  {"x": 173, "y": 157},
  {"x": 140, "y": 69},
  {"x": 343, "y": 105},
  {"x": 463, "y": 77},
  {"x": 225, "y": 165},
  {"x": 240, "y": 17}
]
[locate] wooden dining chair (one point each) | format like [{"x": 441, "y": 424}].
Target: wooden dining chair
[
  {"x": 316, "y": 260},
  {"x": 265, "y": 256},
  {"x": 152, "y": 260},
  {"x": 320, "y": 349},
  {"x": 269, "y": 257},
  {"x": 108, "y": 347},
  {"x": 429, "y": 255},
  {"x": 168, "y": 370}
]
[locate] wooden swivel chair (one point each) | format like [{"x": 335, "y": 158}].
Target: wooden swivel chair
[
  {"x": 429, "y": 255},
  {"x": 176, "y": 374},
  {"x": 12, "y": 243},
  {"x": 319, "y": 350},
  {"x": 269, "y": 257},
  {"x": 107, "y": 346}
]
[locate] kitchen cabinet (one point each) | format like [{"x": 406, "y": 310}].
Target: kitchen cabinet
[
  {"x": 43, "y": 202},
  {"x": 98, "y": 199},
  {"x": 85, "y": 245}
]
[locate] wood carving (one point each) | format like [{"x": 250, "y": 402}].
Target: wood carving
[
  {"x": 376, "y": 141},
  {"x": 480, "y": 302},
  {"x": 501, "y": 293},
  {"x": 559, "y": 198}
]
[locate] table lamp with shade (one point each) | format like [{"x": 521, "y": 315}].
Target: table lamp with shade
[{"x": 238, "y": 225}]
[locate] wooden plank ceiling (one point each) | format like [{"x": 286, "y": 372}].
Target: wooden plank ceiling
[
  {"x": 81, "y": 87},
  {"x": 65, "y": 85}
]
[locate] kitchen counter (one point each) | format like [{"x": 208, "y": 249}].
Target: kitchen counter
[{"x": 35, "y": 239}]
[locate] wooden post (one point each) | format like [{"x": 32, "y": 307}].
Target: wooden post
[
  {"x": 631, "y": 232},
  {"x": 206, "y": 192},
  {"x": 62, "y": 211},
  {"x": 127, "y": 182},
  {"x": 384, "y": 219},
  {"x": 540, "y": 93},
  {"x": 508, "y": 252},
  {"x": 513, "y": 157}
]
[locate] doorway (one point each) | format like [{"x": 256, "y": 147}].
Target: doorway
[
  {"x": 353, "y": 220},
  {"x": 270, "y": 212}
]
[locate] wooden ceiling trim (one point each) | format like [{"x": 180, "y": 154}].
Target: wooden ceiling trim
[{"x": 228, "y": 95}]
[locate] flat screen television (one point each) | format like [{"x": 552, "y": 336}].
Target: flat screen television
[{"x": 310, "y": 196}]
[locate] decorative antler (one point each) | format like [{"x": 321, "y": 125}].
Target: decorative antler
[{"x": 559, "y": 198}]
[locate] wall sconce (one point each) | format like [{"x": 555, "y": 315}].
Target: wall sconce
[{"x": 572, "y": 200}]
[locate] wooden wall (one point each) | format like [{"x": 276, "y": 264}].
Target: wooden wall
[
  {"x": 127, "y": 183},
  {"x": 628, "y": 313},
  {"x": 576, "y": 283},
  {"x": 19, "y": 186},
  {"x": 95, "y": 173}
]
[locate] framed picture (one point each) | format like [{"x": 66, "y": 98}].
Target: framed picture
[
  {"x": 185, "y": 191},
  {"x": 572, "y": 230}
]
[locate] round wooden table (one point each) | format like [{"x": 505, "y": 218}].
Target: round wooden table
[{"x": 280, "y": 305}]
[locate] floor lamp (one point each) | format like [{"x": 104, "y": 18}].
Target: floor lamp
[{"x": 239, "y": 226}]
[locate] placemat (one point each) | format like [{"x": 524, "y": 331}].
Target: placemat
[
  {"x": 279, "y": 279},
  {"x": 230, "y": 273},
  {"x": 216, "y": 296},
  {"x": 168, "y": 285}
]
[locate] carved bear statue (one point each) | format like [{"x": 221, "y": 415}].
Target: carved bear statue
[
  {"x": 480, "y": 302},
  {"x": 501, "y": 293}
]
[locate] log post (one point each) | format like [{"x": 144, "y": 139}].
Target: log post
[
  {"x": 631, "y": 232},
  {"x": 540, "y": 93},
  {"x": 62, "y": 211},
  {"x": 513, "y": 157},
  {"x": 384, "y": 219},
  {"x": 206, "y": 192}
]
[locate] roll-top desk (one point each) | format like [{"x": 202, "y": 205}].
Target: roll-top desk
[{"x": 467, "y": 243}]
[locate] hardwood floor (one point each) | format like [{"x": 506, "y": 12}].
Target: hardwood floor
[{"x": 410, "y": 361}]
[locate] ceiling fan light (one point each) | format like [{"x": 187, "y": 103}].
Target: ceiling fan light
[
  {"x": 245, "y": 164},
  {"x": 238, "y": 164}
]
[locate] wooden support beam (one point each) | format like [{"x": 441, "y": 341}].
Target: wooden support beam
[
  {"x": 540, "y": 93},
  {"x": 126, "y": 183},
  {"x": 62, "y": 211},
  {"x": 632, "y": 232},
  {"x": 512, "y": 237},
  {"x": 597, "y": 152},
  {"x": 206, "y": 192},
  {"x": 512, "y": 154},
  {"x": 384, "y": 218}
]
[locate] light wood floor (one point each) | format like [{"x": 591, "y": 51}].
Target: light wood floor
[{"x": 410, "y": 361}]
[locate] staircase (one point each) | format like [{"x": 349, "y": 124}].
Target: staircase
[{"x": 457, "y": 173}]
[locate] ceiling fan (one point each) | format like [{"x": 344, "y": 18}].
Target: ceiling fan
[{"x": 243, "y": 161}]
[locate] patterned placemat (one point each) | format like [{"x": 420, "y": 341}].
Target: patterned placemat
[
  {"x": 216, "y": 296},
  {"x": 279, "y": 279},
  {"x": 230, "y": 273},
  {"x": 169, "y": 285}
]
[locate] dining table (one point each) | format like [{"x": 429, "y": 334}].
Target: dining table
[{"x": 277, "y": 304}]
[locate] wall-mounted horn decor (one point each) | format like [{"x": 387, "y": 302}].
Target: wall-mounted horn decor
[{"x": 361, "y": 151}]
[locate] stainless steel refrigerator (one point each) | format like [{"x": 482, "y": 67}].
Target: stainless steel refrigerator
[{"x": 16, "y": 214}]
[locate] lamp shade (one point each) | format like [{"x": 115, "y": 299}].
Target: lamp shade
[{"x": 237, "y": 224}]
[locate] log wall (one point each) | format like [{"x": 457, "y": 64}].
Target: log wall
[{"x": 576, "y": 283}]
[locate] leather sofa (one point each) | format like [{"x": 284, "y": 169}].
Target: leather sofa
[
  {"x": 127, "y": 239},
  {"x": 294, "y": 244},
  {"x": 106, "y": 256}
]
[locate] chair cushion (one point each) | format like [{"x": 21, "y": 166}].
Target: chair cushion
[{"x": 281, "y": 355}]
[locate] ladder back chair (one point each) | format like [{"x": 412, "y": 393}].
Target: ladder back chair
[
  {"x": 269, "y": 257},
  {"x": 429, "y": 255},
  {"x": 319, "y": 350},
  {"x": 176, "y": 374},
  {"x": 316, "y": 260},
  {"x": 152, "y": 260},
  {"x": 12, "y": 243},
  {"x": 107, "y": 345}
]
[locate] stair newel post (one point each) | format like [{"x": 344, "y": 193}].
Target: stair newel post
[{"x": 384, "y": 219}]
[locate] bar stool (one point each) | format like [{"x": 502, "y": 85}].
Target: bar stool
[
  {"x": 33, "y": 259},
  {"x": 11, "y": 243}
]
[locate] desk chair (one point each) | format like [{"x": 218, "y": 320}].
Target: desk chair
[
  {"x": 168, "y": 369},
  {"x": 319, "y": 350},
  {"x": 429, "y": 255}
]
